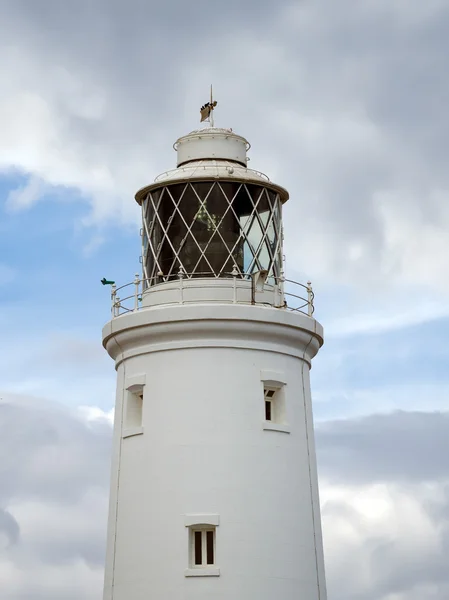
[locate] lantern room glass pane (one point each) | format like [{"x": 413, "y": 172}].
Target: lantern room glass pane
[{"x": 207, "y": 228}]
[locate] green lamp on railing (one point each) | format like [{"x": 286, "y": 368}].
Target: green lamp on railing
[{"x": 105, "y": 281}]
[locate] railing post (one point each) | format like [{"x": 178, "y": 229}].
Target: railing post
[
  {"x": 234, "y": 284},
  {"x": 309, "y": 299},
  {"x": 181, "y": 284},
  {"x": 113, "y": 296},
  {"x": 136, "y": 291},
  {"x": 281, "y": 288},
  {"x": 117, "y": 306}
]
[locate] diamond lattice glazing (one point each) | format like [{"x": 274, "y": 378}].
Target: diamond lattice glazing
[{"x": 206, "y": 229}]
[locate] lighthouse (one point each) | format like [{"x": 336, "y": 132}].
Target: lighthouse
[{"x": 214, "y": 490}]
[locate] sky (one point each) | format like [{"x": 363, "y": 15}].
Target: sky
[{"x": 345, "y": 105}]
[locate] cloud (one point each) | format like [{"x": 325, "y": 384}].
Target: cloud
[
  {"x": 333, "y": 98},
  {"x": 9, "y": 528},
  {"x": 376, "y": 365},
  {"x": 336, "y": 102},
  {"x": 56, "y": 457},
  {"x": 383, "y": 542},
  {"x": 53, "y": 499},
  {"x": 344, "y": 104},
  {"x": 26, "y": 195},
  {"x": 382, "y": 321},
  {"x": 383, "y": 483},
  {"x": 400, "y": 447},
  {"x": 94, "y": 414},
  {"x": 384, "y": 490},
  {"x": 65, "y": 364},
  {"x": 336, "y": 398}
]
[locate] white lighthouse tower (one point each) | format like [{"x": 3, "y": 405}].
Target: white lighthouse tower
[{"x": 214, "y": 492}]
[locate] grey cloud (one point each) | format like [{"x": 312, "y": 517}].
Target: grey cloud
[
  {"x": 46, "y": 454},
  {"x": 60, "y": 505},
  {"x": 9, "y": 527},
  {"x": 396, "y": 563},
  {"x": 344, "y": 104},
  {"x": 54, "y": 469},
  {"x": 386, "y": 77},
  {"x": 412, "y": 570},
  {"x": 137, "y": 51},
  {"x": 397, "y": 466},
  {"x": 399, "y": 447}
]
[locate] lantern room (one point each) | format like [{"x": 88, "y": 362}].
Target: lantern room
[{"x": 212, "y": 216}]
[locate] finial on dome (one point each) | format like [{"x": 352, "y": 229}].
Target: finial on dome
[{"x": 207, "y": 110}]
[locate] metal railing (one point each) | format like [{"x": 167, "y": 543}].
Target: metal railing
[
  {"x": 279, "y": 292},
  {"x": 206, "y": 168}
]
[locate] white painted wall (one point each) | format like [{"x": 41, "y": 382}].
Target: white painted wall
[{"x": 203, "y": 450}]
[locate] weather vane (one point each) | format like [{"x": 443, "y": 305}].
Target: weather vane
[{"x": 207, "y": 110}]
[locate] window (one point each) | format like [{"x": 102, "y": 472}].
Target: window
[
  {"x": 269, "y": 394},
  {"x": 239, "y": 223},
  {"x": 133, "y": 409},
  {"x": 203, "y": 550},
  {"x": 202, "y": 560},
  {"x": 275, "y": 417},
  {"x": 274, "y": 404}
]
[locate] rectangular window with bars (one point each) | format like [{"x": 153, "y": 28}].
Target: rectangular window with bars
[{"x": 202, "y": 547}]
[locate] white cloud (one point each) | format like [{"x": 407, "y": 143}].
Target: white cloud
[
  {"x": 387, "y": 319},
  {"x": 26, "y": 195},
  {"x": 351, "y": 401},
  {"x": 94, "y": 413},
  {"x": 42, "y": 106},
  {"x": 74, "y": 581},
  {"x": 55, "y": 492},
  {"x": 64, "y": 365},
  {"x": 376, "y": 534}
]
